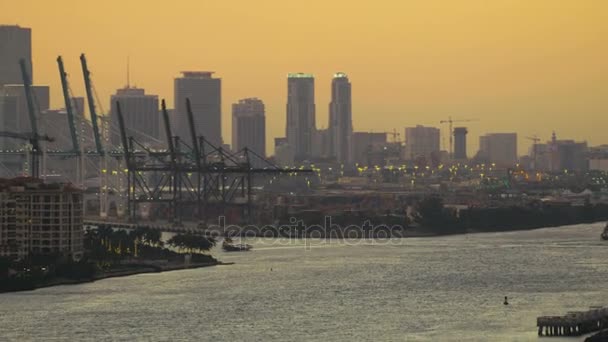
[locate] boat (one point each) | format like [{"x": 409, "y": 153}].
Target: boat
[
  {"x": 605, "y": 233},
  {"x": 229, "y": 246}
]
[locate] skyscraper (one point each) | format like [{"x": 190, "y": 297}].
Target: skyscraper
[
  {"x": 340, "y": 119},
  {"x": 15, "y": 43},
  {"x": 205, "y": 94},
  {"x": 460, "y": 143},
  {"x": 141, "y": 116},
  {"x": 300, "y": 114},
  {"x": 249, "y": 126}
]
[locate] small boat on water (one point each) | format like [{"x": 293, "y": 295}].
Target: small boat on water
[
  {"x": 229, "y": 246},
  {"x": 605, "y": 233}
]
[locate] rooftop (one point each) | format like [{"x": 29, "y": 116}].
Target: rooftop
[
  {"x": 198, "y": 74},
  {"x": 300, "y": 75}
]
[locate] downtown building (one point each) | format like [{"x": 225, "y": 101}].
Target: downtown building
[
  {"x": 301, "y": 125},
  {"x": 498, "y": 148},
  {"x": 249, "y": 126},
  {"x": 340, "y": 120},
  {"x": 205, "y": 94},
  {"x": 40, "y": 219},
  {"x": 15, "y": 44},
  {"x": 141, "y": 117},
  {"x": 422, "y": 143}
]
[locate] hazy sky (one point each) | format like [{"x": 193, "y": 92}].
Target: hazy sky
[{"x": 529, "y": 66}]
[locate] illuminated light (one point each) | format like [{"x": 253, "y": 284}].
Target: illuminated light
[
  {"x": 104, "y": 170},
  {"x": 299, "y": 75},
  {"x": 126, "y": 170}
]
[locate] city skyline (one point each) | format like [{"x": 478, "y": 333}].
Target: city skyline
[{"x": 532, "y": 83}]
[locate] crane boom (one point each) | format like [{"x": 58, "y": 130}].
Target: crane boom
[
  {"x": 123, "y": 135},
  {"x": 195, "y": 150},
  {"x": 91, "y": 101},
  {"x": 36, "y": 150},
  {"x": 27, "y": 87},
  {"x": 451, "y": 122},
  {"x": 168, "y": 131},
  {"x": 68, "y": 105}
]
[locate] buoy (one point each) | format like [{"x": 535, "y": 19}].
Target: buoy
[{"x": 506, "y": 301}]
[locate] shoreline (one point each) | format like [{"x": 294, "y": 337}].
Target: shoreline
[{"x": 136, "y": 269}]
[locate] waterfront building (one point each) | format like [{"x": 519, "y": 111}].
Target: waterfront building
[
  {"x": 249, "y": 126},
  {"x": 141, "y": 117},
  {"x": 422, "y": 142},
  {"x": 15, "y": 44},
  {"x": 499, "y": 149},
  {"x": 205, "y": 94},
  {"x": 340, "y": 120},
  {"x": 301, "y": 123},
  {"x": 567, "y": 155},
  {"x": 40, "y": 219}
]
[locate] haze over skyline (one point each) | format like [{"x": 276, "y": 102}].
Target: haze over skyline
[{"x": 530, "y": 67}]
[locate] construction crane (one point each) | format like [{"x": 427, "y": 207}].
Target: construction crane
[
  {"x": 396, "y": 135},
  {"x": 68, "y": 105},
  {"x": 451, "y": 123},
  {"x": 535, "y": 140},
  {"x": 34, "y": 138}
]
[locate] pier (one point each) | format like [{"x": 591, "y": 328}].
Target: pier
[{"x": 575, "y": 323}]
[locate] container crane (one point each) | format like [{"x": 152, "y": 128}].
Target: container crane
[
  {"x": 451, "y": 123},
  {"x": 34, "y": 138}
]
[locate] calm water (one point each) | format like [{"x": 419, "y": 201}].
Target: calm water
[{"x": 434, "y": 289}]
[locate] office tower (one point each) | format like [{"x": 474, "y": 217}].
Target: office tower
[
  {"x": 38, "y": 218},
  {"x": 205, "y": 94},
  {"x": 249, "y": 126},
  {"x": 300, "y": 114},
  {"x": 340, "y": 119},
  {"x": 422, "y": 142},
  {"x": 18, "y": 116},
  {"x": 15, "y": 43},
  {"x": 499, "y": 148},
  {"x": 460, "y": 143},
  {"x": 141, "y": 116}
]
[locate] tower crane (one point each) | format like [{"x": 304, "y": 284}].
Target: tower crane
[
  {"x": 396, "y": 135},
  {"x": 451, "y": 123}
]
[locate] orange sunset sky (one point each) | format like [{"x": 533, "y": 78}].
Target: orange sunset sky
[{"x": 527, "y": 66}]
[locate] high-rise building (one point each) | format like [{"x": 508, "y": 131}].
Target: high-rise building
[
  {"x": 15, "y": 44},
  {"x": 340, "y": 119},
  {"x": 283, "y": 152},
  {"x": 300, "y": 114},
  {"x": 460, "y": 143},
  {"x": 567, "y": 155},
  {"x": 18, "y": 116},
  {"x": 498, "y": 148},
  {"x": 205, "y": 94},
  {"x": 422, "y": 142},
  {"x": 249, "y": 126},
  {"x": 141, "y": 116},
  {"x": 37, "y": 218}
]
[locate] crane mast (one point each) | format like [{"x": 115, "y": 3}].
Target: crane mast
[
  {"x": 36, "y": 150},
  {"x": 91, "y": 101},
  {"x": 68, "y": 105}
]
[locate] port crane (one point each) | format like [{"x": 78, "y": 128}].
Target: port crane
[
  {"x": 34, "y": 137},
  {"x": 451, "y": 124}
]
